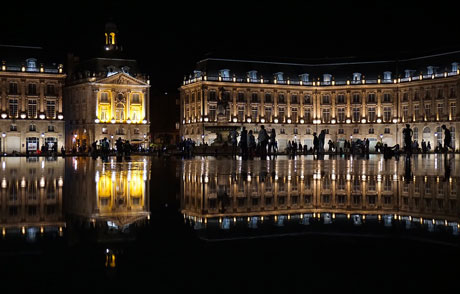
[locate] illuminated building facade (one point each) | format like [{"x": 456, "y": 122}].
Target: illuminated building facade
[
  {"x": 31, "y": 100},
  {"x": 220, "y": 193},
  {"x": 106, "y": 97},
  {"x": 31, "y": 195},
  {"x": 108, "y": 194},
  {"x": 349, "y": 100}
]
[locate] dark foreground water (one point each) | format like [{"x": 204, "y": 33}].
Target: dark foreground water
[{"x": 222, "y": 225}]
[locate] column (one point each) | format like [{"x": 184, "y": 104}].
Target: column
[
  {"x": 42, "y": 96},
  {"x": 3, "y": 86},
  {"x": 22, "y": 94},
  {"x": 59, "y": 106}
]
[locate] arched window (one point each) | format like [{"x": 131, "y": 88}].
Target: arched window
[
  {"x": 426, "y": 130},
  {"x": 120, "y": 112}
]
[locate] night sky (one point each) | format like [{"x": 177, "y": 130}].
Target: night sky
[{"x": 168, "y": 39}]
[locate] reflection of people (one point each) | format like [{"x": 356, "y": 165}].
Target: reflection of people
[
  {"x": 315, "y": 144},
  {"x": 244, "y": 143},
  {"x": 447, "y": 139},
  {"x": 446, "y": 169},
  {"x": 407, "y": 170},
  {"x": 407, "y": 134}
]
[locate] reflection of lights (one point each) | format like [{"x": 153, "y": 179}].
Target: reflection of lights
[
  {"x": 60, "y": 182},
  {"x": 363, "y": 178},
  {"x": 4, "y": 183},
  {"x": 23, "y": 183},
  {"x": 96, "y": 178},
  {"x": 206, "y": 179},
  {"x": 42, "y": 182},
  {"x": 348, "y": 177}
]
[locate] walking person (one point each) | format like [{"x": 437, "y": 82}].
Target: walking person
[
  {"x": 271, "y": 142},
  {"x": 447, "y": 139}
]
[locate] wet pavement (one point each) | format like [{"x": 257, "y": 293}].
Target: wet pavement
[{"x": 220, "y": 224}]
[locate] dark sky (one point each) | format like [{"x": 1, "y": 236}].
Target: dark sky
[{"x": 168, "y": 39}]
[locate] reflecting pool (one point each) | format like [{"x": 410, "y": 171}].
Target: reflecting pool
[{"x": 186, "y": 224}]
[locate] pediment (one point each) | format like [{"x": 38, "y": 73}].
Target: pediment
[{"x": 121, "y": 79}]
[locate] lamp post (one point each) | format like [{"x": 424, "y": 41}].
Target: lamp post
[{"x": 43, "y": 138}]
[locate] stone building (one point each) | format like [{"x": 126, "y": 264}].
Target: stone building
[
  {"x": 349, "y": 100},
  {"x": 106, "y": 97},
  {"x": 31, "y": 100}
]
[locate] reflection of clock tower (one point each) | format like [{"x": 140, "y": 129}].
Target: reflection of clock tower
[{"x": 107, "y": 97}]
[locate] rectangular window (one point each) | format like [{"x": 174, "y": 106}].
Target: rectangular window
[
  {"x": 387, "y": 131},
  {"x": 104, "y": 97},
  {"x": 405, "y": 113},
  {"x": 13, "y": 128},
  {"x": 341, "y": 114},
  {"x": 255, "y": 98},
  {"x": 386, "y": 97},
  {"x": 136, "y": 99},
  {"x": 281, "y": 99},
  {"x": 405, "y": 97},
  {"x": 427, "y": 110},
  {"x": 307, "y": 99},
  {"x": 13, "y": 89},
  {"x": 254, "y": 113},
  {"x": 212, "y": 96},
  {"x": 371, "y": 98},
  {"x": 212, "y": 112},
  {"x": 294, "y": 99},
  {"x": 356, "y": 114},
  {"x": 356, "y": 131},
  {"x": 387, "y": 114},
  {"x": 50, "y": 128},
  {"x": 326, "y": 115},
  {"x": 13, "y": 107},
  {"x": 341, "y": 131},
  {"x": 371, "y": 113},
  {"x": 452, "y": 94},
  {"x": 356, "y": 98},
  {"x": 268, "y": 113},
  {"x": 453, "y": 109},
  {"x": 32, "y": 89},
  {"x": 32, "y": 108},
  {"x": 307, "y": 114},
  {"x": 240, "y": 97},
  {"x": 326, "y": 99},
  {"x": 416, "y": 96},
  {"x": 417, "y": 112},
  {"x": 50, "y": 91},
  {"x": 104, "y": 113},
  {"x": 340, "y": 99},
  {"x": 440, "y": 109},
  {"x": 281, "y": 114},
  {"x": 240, "y": 113},
  {"x": 371, "y": 130},
  {"x": 50, "y": 109},
  {"x": 268, "y": 98},
  {"x": 440, "y": 94},
  {"x": 294, "y": 114}
]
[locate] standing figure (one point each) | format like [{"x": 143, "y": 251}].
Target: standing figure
[
  {"x": 315, "y": 144},
  {"x": 251, "y": 144},
  {"x": 407, "y": 135},
  {"x": 244, "y": 143},
  {"x": 271, "y": 142},
  {"x": 447, "y": 139},
  {"x": 263, "y": 141}
]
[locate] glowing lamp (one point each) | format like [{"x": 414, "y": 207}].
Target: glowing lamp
[
  {"x": 333, "y": 121},
  {"x": 348, "y": 121},
  {"x": 262, "y": 120},
  {"x": 113, "y": 120},
  {"x": 206, "y": 119},
  {"x": 97, "y": 120},
  {"x": 395, "y": 120},
  {"x": 379, "y": 120},
  {"x": 23, "y": 115},
  {"x": 144, "y": 121},
  {"x": 302, "y": 121},
  {"x": 128, "y": 121},
  {"x": 4, "y": 115},
  {"x": 275, "y": 120},
  {"x": 363, "y": 121},
  {"x": 289, "y": 120},
  {"x": 60, "y": 116},
  {"x": 248, "y": 120},
  {"x": 235, "y": 120},
  {"x": 42, "y": 116}
]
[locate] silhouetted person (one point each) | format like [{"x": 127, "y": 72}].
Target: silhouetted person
[
  {"x": 244, "y": 143},
  {"x": 263, "y": 141},
  {"x": 407, "y": 135},
  {"x": 447, "y": 169},
  {"x": 447, "y": 139},
  {"x": 315, "y": 144},
  {"x": 272, "y": 141}
]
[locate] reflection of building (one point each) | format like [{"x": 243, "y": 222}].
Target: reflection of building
[
  {"x": 212, "y": 191},
  {"x": 31, "y": 100},
  {"x": 106, "y": 97},
  {"x": 112, "y": 194},
  {"x": 31, "y": 196},
  {"x": 299, "y": 99}
]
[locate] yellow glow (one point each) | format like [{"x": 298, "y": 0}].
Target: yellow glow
[{"x": 113, "y": 38}]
